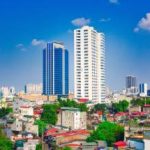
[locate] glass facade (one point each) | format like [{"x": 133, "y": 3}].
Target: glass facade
[{"x": 55, "y": 70}]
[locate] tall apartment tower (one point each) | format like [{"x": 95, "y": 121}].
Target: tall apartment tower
[
  {"x": 55, "y": 69},
  {"x": 89, "y": 64},
  {"x": 143, "y": 88},
  {"x": 131, "y": 85}
]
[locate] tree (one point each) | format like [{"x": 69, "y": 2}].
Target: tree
[
  {"x": 5, "y": 111},
  {"x": 100, "y": 107},
  {"x": 41, "y": 126},
  {"x": 39, "y": 147},
  {"x": 49, "y": 114},
  {"x": 137, "y": 102},
  {"x": 5, "y": 143},
  {"x": 122, "y": 106},
  {"x": 74, "y": 104},
  {"x": 67, "y": 148},
  {"x": 107, "y": 131}
]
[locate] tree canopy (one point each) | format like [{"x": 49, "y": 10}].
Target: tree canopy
[
  {"x": 72, "y": 103},
  {"x": 67, "y": 148},
  {"x": 122, "y": 106},
  {"x": 99, "y": 107},
  {"x": 5, "y": 143},
  {"x": 39, "y": 147},
  {"x": 140, "y": 101},
  {"x": 107, "y": 131},
  {"x": 41, "y": 126},
  {"x": 4, "y": 112},
  {"x": 49, "y": 114}
]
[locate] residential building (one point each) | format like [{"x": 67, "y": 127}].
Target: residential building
[
  {"x": 33, "y": 88},
  {"x": 131, "y": 86},
  {"x": 72, "y": 118},
  {"x": 30, "y": 144},
  {"x": 31, "y": 128},
  {"x": 55, "y": 69},
  {"x": 26, "y": 110},
  {"x": 17, "y": 125},
  {"x": 143, "y": 87},
  {"x": 89, "y": 64},
  {"x": 7, "y": 91}
]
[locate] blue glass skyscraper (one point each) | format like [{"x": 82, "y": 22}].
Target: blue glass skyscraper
[{"x": 55, "y": 70}]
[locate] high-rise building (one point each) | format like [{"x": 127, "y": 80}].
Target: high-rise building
[
  {"x": 89, "y": 64},
  {"x": 33, "y": 88},
  {"x": 131, "y": 85},
  {"x": 55, "y": 69},
  {"x": 7, "y": 91},
  {"x": 143, "y": 87}
]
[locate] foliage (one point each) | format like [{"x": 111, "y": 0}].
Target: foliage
[
  {"x": 5, "y": 111},
  {"x": 41, "y": 126},
  {"x": 99, "y": 107},
  {"x": 107, "y": 131},
  {"x": 39, "y": 147},
  {"x": 67, "y": 148},
  {"x": 72, "y": 103},
  {"x": 5, "y": 143},
  {"x": 49, "y": 114},
  {"x": 122, "y": 106},
  {"x": 140, "y": 101}
]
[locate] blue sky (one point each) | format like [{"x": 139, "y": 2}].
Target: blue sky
[{"x": 25, "y": 26}]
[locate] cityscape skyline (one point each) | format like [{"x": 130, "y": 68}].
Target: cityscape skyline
[{"x": 21, "y": 48}]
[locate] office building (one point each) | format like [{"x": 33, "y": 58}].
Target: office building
[
  {"x": 55, "y": 69},
  {"x": 89, "y": 64},
  {"x": 143, "y": 88},
  {"x": 131, "y": 86},
  {"x": 33, "y": 88}
]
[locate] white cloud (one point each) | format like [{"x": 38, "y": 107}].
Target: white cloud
[
  {"x": 105, "y": 19},
  {"x": 143, "y": 24},
  {"x": 40, "y": 43},
  {"x": 114, "y": 1},
  {"x": 21, "y": 47},
  {"x": 80, "y": 22}
]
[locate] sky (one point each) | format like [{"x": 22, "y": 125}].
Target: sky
[{"x": 26, "y": 26}]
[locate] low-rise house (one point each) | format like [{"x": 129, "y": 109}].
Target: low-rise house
[
  {"x": 72, "y": 118},
  {"x": 26, "y": 111},
  {"x": 30, "y": 144},
  {"x": 146, "y": 108},
  {"x": 135, "y": 109},
  {"x": 31, "y": 128},
  {"x": 17, "y": 125},
  {"x": 66, "y": 137}
]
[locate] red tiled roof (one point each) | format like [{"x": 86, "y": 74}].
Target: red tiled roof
[
  {"x": 147, "y": 105},
  {"x": 51, "y": 131},
  {"x": 137, "y": 113},
  {"x": 70, "y": 133},
  {"x": 120, "y": 144},
  {"x": 73, "y": 145},
  {"x": 83, "y": 100},
  {"x": 120, "y": 114}
]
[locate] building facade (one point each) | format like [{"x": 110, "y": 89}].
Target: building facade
[
  {"x": 143, "y": 88},
  {"x": 89, "y": 64},
  {"x": 33, "y": 88},
  {"x": 7, "y": 91},
  {"x": 131, "y": 85},
  {"x": 72, "y": 118},
  {"x": 55, "y": 69}
]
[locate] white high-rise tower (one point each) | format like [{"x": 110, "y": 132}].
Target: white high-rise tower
[{"x": 89, "y": 61}]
